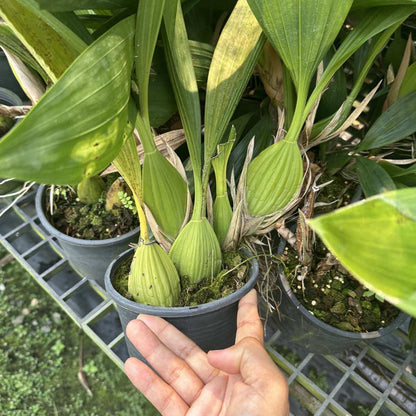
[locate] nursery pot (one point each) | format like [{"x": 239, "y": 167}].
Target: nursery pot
[
  {"x": 89, "y": 257},
  {"x": 300, "y": 327},
  {"x": 211, "y": 325}
]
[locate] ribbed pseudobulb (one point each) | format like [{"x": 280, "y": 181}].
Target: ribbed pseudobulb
[
  {"x": 274, "y": 178},
  {"x": 164, "y": 192},
  {"x": 90, "y": 190},
  {"x": 196, "y": 252},
  {"x": 153, "y": 278}
]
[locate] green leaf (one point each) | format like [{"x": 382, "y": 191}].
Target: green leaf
[
  {"x": 70, "y": 5},
  {"x": 360, "y": 4},
  {"x": 179, "y": 59},
  {"x": 222, "y": 207},
  {"x": 409, "y": 81},
  {"x": 373, "y": 178},
  {"x": 164, "y": 192},
  {"x": 149, "y": 17},
  {"x": 77, "y": 127},
  {"x": 162, "y": 104},
  {"x": 71, "y": 20},
  {"x": 52, "y": 44},
  {"x": 182, "y": 74},
  {"x": 301, "y": 31},
  {"x": 10, "y": 41},
  {"x": 375, "y": 241},
  {"x": 406, "y": 177},
  {"x": 201, "y": 59},
  {"x": 373, "y": 21},
  {"x": 396, "y": 123},
  {"x": 232, "y": 64}
]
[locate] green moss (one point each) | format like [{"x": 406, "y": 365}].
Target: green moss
[
  {"x": 91, "y": 221},
  {"x": 234, "y": 274},
  {"x": 337, "y": 298}
]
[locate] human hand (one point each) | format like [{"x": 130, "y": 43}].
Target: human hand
[{"x": 237, "y": 381}]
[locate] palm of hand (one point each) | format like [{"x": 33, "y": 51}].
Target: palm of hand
[{"x": 240, "y": 380}]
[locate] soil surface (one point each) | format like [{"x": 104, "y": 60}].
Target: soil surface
[
  {"x": 89, "y": 222},
  {"x": 234, "y": 275},
  {"x": 335, "y": 297}
]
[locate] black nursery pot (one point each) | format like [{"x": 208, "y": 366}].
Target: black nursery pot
[
  {"x": 211, "y": 325},
  {"x": 300, "y": 327},
  {"x": 89, "y": 257}
]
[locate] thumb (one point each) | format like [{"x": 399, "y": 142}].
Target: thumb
[{"x": 247, "y": 358}]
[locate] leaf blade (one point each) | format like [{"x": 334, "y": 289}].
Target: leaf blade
[
  {"x": 70, "y": 134},
  {"x": 52, "y": 44},
  {"x": 389, "y": 222}
]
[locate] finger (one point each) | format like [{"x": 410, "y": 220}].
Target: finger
[
  {"x": 248, "y": 320},
  {"x": 211, "y": 399},
  {"x": 182, "y": 346},
  {"x": 160, "y": 394},
  {"x": 249, "y": 359},
  {"x": 170, "y": 367}
]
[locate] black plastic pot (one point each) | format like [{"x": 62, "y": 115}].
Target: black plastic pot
[
  {"x": 300, "y": 327},
  {"x": 211, "y": 325},
  {"x": 89, "y": 257}
]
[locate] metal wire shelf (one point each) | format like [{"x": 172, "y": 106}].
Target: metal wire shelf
[{"x": 365, "y": 381}]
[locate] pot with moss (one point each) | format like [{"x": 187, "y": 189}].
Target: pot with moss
[
  {"x": 92, "y": 226},
  {"x": 323, "y": 308},
  {"x": 210, "y": 323}
]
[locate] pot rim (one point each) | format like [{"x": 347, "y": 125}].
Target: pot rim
[
  {"x": 178, "y": 311},
  {"x": 400, "y": 319},
  {"x": 73, "y": 240}
]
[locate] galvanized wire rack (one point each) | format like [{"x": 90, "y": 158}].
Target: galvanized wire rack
[{"x": 365, "y": 381}]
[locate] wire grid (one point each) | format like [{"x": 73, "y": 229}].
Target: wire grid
[{"x": 368, "y": 380}]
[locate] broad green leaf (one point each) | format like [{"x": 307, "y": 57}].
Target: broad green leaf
[
  {"x": 375, "y": 241},
  {"x": 77, "y": 127},
  {"x": 179, "y": 59},
  {"x": 360, "y": 4},
  {"x": 182, "y": 74},
  {"x": 71, "y": 20},
  {"x": 201, "y": 59},
  {"x": 409, "y": 82},
  {"x": 397, "y": 122},
  {"x": 403, "y": 176},
  {"x": 371, "y": 23},
  {"x": 52, "y": 44},
  {"x": 232, "y": 64},
  {"x": 302, "y": 31},
  {"x": 373, "y": 178},
  {"x": 367, "y": 53},
  {"x": 10, "y": 41},
  {"x": 162, "y": 104},
  {"x": 70, "y": 5},
  {"x": 149, "y": 17}
]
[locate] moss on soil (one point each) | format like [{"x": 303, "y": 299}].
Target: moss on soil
[
  {"x": 234, "y": 274},
  {"x": 336, "y": 297},
  {"x": 89, "y": 222}
]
